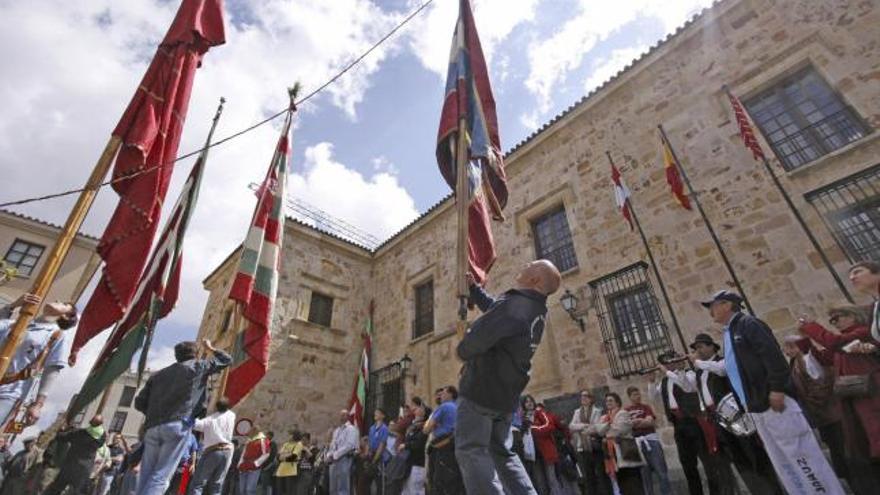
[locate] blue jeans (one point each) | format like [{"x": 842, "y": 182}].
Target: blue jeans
[
  {"x": 210, "y": 472},
  {"x": 163, "y": 447},
  {"x": 656, "y": 463},
  {"x": 247, "y": 482},
  {"x": 482, "y": 449},
  {"x": 340, "y": 476}
]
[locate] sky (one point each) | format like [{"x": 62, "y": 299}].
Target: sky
[{"x": 363, "y": 149}]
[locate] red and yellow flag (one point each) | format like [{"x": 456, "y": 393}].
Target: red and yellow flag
[{"x": 673, "y": 177}]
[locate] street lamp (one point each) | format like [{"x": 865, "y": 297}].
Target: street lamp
[
  {"x": 405, "y": 363},
  {"x": 569, "y": 303}
]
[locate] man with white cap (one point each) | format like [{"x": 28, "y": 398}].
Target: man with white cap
[{"x": 759, "y": 375}]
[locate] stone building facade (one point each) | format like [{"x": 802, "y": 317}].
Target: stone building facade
[{"x": 809, "y": 73}]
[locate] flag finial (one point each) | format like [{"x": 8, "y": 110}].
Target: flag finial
[{"x": 293, "y": 91}]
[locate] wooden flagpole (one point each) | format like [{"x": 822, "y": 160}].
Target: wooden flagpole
[
  {"x": 800, "y": 220},
  {"x": 56, "y": 257},
  {"x": 660, "y": 282},
  {"x": 462, "y": 203},
  {"x": 708, "y": 224}
]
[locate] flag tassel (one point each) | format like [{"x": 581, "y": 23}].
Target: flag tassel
[
  {"x": 56, "y": 257},
  {"x": 705, "y": 218},
  {"x": 795, "y": 212}
]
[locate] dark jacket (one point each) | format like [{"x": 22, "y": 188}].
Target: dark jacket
[
  {"x": 688, "y": 403},
  {"x": 83, "y": 448},
  {"x": 762, "y": 366},
  {"x": 175, "y": 392},
  {"x": 719, "y": 386},
  {"x": 498, "y": 347}
]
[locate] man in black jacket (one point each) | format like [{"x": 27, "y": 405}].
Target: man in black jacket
[
  {"x": 79, "y": 462},
  {"x": 759, "y": 375},
  {"x": 497, "y": 351}
]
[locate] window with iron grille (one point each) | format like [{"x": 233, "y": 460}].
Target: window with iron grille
[
  {"x": 24, "y": 256},
  {"x": 127, "y": 396},
  {"x": 321, "y": 309},
  {"x": 424, "y": 300},
  {"x": 385, "y": 391},
  {"x": 118, "y": 422},
  {"x": 630, "y": 321},
  {"x": 850, "y": 208},
  {"x": 553, "y": 240},
  {"x": 803, "y": 118}
]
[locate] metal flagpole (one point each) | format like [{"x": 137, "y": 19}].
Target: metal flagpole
[
  {"x": 709, "y": 227},
  {"x": 800, "y": 220},
  {"x": 59, "y": 251},
  {"x": 635, "y": 218},
  {"x": 462, "y": 203}
]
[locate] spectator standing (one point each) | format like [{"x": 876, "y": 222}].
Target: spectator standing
[
  {"x": 709, "y": 380},
  {"x": 624, "y": 462},
  {"x": 267, "y": 472},
  {"x": 497, "y": 352},
  {"x": 547, "y": 431},
  {"x": 588, "y": 445},
  {"x": 80, "y": 459},
  {"x": 306, "y": 467},
  {"x": 443, "y": 469},
  {"x": 865, "y": 277},
  {"x": 217, "y": 430},
  {"x": 759, "y": 375},
  {"x": 414, "y": 441},
  {"x": 645, "y": 432},
  {"x": 254, "y": 454},
  {"x": 340, "y": 455},
  {"x": 117, "y": 450},
  {"x": 168, "y": 401},
  {"x": 5, "y": 455},
  {"x": 378, "y": 445},
  {"x": 287, "y": 471},
  {"x": 860, "y": 411},
  {"x": 529, "y": 456},
  {"x": 17, "y": 467}
]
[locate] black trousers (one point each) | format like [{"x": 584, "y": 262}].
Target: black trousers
[
  {"x": 74, "y": 478},
  {"x": 444, "y": 472},
  {"x": 596, "y": 481},
  {"x": 750, "y": 459},
  {"x": 692, "y": 447}
]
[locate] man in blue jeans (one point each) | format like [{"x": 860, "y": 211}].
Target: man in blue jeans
[
  {"x": 169, "y": 401},
  {"x": 644, "y": 423},
  {"x": 497, "y": 352}
]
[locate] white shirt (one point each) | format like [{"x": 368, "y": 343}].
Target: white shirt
[
  {"x": 674, "y": 378},
  {"x": 345, "y": 441},
  {"x": 217, "y": 428},
  {"x": 708, "y": 366}
]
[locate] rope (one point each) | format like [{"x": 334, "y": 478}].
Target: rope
[{"x": 246, "y": 130}]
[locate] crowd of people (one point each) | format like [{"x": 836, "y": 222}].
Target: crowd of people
[{"x": 746, "y": 411}]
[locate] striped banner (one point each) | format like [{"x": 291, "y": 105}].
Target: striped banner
[{"x": 256, "y": 282}]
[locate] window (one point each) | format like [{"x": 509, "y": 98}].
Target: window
[
  {"x": 385, "y": 391},
  {"x": 321, "y": 309},
  {"x": 553, "y": 240},
  {"x": 632, "y": 326},
  {"x": 118, "y": 422},
  {"x": 803, "y": 118},
  {"x": 127, "y": 396},
  {"x": 850, "y": 208},
  {"x": 424, "y": 321},
  {"x": 24, "y": 256}
]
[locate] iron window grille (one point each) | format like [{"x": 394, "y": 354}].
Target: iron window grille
[
  {"x": 630, "y": 321},
  {"x": 553, "y": 240},
  {"x": 850, "y": 208},
  {"x": 24, "y": 255},
  {"x": 321, "y": 309},
  {"x": 423, "y": 323},
  {"x": 385, "y": 390},
  {"x": 803, "y": 118},
  {"x": 127, "y": 396},
  {"x": 118, "y": 422}
]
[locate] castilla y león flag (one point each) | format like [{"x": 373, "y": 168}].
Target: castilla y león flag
[
  {"x": 150, "y": 131},
  {"x": 621, "y": 195},
  {"x": 256, "y": 281},
  {"x": 469, "y": 97}
]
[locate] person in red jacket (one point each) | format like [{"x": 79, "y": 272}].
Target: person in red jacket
[
  {"x": 254, "y": 454},
  {"x": 861, "y": 415},
  {"x": 545, "y": 427}
]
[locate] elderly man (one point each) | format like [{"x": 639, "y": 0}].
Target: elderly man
[
  {"x": 759, "y": 375},
  {"x": 340, "y": 454},
  {"x": 46, "y": 343},
  {"x": 169, "y": 402},
  {"x": 497, "y": 351}
]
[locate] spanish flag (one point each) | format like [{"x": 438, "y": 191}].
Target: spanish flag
[{"x": 673, "y": 176}]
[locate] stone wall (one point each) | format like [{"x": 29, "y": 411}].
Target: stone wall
[{"x": 747, "y": 44}]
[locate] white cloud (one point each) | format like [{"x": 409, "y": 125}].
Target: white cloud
[
  {"x": 431, "y": 33},
  {"x": 377, "y": 204},
  {"x": 551, "y": 59}
]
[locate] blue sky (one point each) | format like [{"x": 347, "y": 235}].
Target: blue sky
[{"x": 363, "y": 149}]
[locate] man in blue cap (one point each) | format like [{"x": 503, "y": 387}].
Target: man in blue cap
[{"x": 760, "y": 378}]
